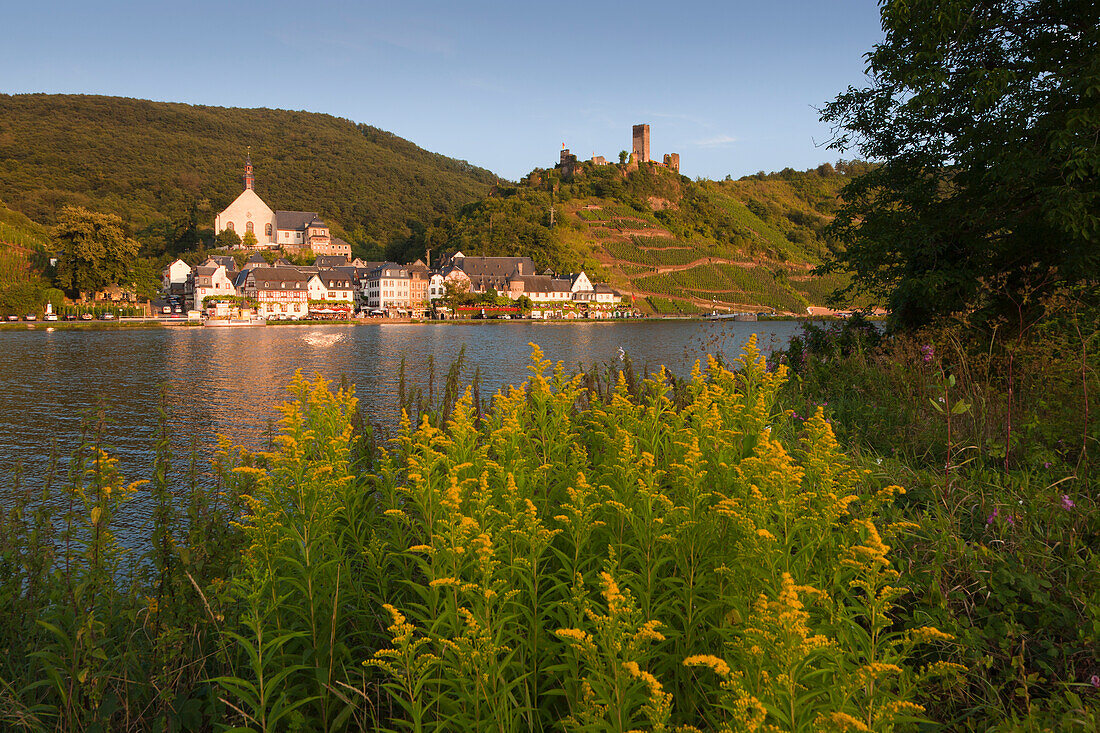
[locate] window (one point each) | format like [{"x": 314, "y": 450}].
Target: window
[
  {"x": 229, "y": 226},
  {"x": 248, "y": 227},
  {"x": 267, "y": 229}
]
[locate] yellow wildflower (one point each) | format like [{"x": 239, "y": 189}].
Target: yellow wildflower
[
  {"x": 928, "y": 633},
  {"x": 717, "y": 664}
]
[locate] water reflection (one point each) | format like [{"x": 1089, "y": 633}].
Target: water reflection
[{"x": 229, "y": 380}]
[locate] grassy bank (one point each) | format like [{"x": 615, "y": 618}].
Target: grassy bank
[
  {"x": 995, "y": 441},
  {"x": 595, "y": 552}
]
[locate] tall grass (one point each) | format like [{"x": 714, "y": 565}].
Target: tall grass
[
  {"x": 647, "y": 554},
  {"x": 1004, "y": 490}
]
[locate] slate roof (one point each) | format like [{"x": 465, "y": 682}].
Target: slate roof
[
  {"x": 391, "y": 270},
  {"x": 202, "y": 275},
  {"x": 226, "y": 260},
  {"x": 336, "y": 279},
  {"x": 494, "y": 266},
  {"x": 272, "y": 278},
  {"x": 330, "y": 260},
  {"x": 296, "y": 220},
  {"x": 534, "y": 283}
]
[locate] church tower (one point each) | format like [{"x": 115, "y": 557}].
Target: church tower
[{"x": 249, "y": 177}]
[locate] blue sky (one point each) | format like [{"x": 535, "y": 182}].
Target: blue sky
[{"x": 731, "y": 86}]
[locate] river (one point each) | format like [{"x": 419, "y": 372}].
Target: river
[{"x": 230, "y": 380}]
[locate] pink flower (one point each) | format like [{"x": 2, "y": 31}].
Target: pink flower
[
  {"x": 927, "y": 352},
  {"x": 1095, "y": 681},
  {"x": 1067, "y": 503}
]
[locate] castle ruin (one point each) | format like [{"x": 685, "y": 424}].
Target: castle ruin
[
  {"x": 640, "y": 154},
  {"x": 641, "y": 143}
]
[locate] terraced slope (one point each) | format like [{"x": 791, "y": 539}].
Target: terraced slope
[
  {"x": 672, "y": 244},
  {"x": 23, "y": 255}
]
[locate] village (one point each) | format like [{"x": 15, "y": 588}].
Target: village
[{"x": 337, "y": 287}]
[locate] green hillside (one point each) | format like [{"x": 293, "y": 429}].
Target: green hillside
[
  {"x": 676, "y": 245},
  {"x": 24, "y": 247},
  {"x": 168, "y": 168}
]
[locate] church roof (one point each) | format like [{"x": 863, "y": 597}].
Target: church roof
[{"x": 296, "y": 220}]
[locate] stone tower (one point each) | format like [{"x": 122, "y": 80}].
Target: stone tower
[
  {"x": 641, "y": 143},
  {"x": 249, "y": 177}
]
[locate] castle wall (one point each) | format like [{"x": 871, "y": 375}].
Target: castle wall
[{"x": 641, "y": 143}]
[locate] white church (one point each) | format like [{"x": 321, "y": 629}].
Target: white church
[{"x": 293, "y": 231}]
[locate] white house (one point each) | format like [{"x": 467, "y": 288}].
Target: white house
[
  {"x": 435, "y": 287},
  {"x": 279, "y": 292},
  {"x": 175, "y": 274},
  {"x": 211, "y": 281},
  {"x": 388, "y": 287},
  {"x": 332, "y": 286}
]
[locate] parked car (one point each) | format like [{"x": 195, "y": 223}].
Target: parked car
[
  {"x": 51, "y": 316},
  {"x": 30, "y": 317},
  {"x": 166, "y": 309},
  {"x": 86, "y": 316},
  {"x": 13, "y": 317},
  {"x": 70, "y": 316},
  {"x": 107, "y": 317}
]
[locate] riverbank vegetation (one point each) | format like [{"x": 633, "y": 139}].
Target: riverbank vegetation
[{"x": 599, "y": 551}]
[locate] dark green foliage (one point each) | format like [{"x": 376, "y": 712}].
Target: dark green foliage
[
  {"x": 1005, "y": 558},
  {"x": 95, "y": 250},
  {"x": 172, "y": 167},
  {"x": 511, "y": 222},
  {"x": 986, "y": 116}
]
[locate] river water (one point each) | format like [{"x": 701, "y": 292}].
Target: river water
[{"x": 230, "y": 380}]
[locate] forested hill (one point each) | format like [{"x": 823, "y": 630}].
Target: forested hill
[
  {"x": 676, "y": 245},
  {"x": 167, "y": 168}
]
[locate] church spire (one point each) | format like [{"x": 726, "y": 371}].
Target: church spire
[{"x": 249, "y": 177}]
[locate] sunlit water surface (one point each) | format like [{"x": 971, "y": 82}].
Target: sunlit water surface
[{"x": 230, "y": 380}]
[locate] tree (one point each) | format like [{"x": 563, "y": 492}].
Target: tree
[
  {"x": 95, "y": 250},
  {"x": 985, "y": 117},
  {"x": 228, "y": 239},
  {"x": 249, "y": 240},
  {"x": 623, "y": 157}
]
